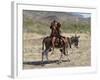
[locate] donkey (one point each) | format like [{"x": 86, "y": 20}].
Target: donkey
[{"x": 47, "y": 43}]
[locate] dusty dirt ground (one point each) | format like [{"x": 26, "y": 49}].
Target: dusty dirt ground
[{"x": 32, "y": 52}]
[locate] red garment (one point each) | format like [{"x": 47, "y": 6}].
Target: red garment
[{"x": 55, "y": 29}]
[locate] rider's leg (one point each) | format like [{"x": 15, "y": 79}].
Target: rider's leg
[
  {"x": 62, "y": 39},
  {"x": 53, "y": 45}
]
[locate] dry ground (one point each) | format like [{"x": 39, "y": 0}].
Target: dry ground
[{"x": 32, "y": 52}]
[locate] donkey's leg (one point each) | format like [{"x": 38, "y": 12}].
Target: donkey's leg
[
  {"x": 61, "y": 55},
  {"x": 46, "y": 54},
  {"x": 65, "y": 50},
  {"x": 72, "y": 50},
  {"x": 67, "y": 55},
  {"x": 42, "y": 57}
]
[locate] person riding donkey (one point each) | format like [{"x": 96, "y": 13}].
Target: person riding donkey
[{"x": 55, "y": 33}]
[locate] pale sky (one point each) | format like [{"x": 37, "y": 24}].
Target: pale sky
[{"x": 86, "y": 15}]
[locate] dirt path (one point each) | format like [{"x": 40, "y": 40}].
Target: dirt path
[{"x": 32, "y": 53}]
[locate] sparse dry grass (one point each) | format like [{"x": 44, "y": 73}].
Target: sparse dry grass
[{"x": 78, "y": 57}]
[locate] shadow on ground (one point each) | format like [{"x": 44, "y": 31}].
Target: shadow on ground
[{"x": 44, "y": 62}]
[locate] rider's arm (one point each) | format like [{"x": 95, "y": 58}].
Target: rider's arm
[
  {"x": 59, "y": 25},
  {"x": 51, "y": 25}
]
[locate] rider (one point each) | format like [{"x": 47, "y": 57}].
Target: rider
[{"x": 55, "y": 32}]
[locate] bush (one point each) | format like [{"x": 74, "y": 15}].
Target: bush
[{"x": 43, "y": 28}]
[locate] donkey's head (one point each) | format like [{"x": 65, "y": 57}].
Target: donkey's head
[{"x": 75, "y": 40}]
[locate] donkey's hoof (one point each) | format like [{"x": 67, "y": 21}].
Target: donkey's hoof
[
  {"x": 59, "y": 62},
  {"x": 42, "y": 64}
]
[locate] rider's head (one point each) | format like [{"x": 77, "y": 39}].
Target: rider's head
[{"x": 54, "y": 21}]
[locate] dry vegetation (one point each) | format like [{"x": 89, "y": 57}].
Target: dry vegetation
[
  {"x": 36, "y": 26},
  {"x": 32, "y": 52}
]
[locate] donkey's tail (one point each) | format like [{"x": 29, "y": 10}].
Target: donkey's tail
[{"x": 43, "y": 44}]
